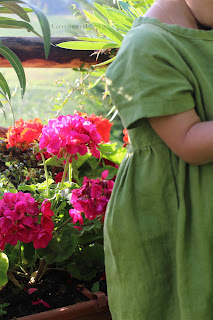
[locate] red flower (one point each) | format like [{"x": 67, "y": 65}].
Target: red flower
[
  {"x": 125, "y": 138},
  {"x": 103, "y": 125},
  {"x": 23, "y": 133}
]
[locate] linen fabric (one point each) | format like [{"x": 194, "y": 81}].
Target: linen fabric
[{"x": 158, "y": 229}]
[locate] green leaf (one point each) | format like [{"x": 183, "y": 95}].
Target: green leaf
[
  {"x": 51, "y": 252},
  {"x": 4, "y": 265},
  {"x": 92, "y": 39},
  {"x": 92, "y": 18},
  {"x": 105, "y": 148},
  {"x": 28, "y": 254},
  {"x": 110, "y": 32},
  {"x": 100, "y": 18},
  {"x": 102, "y": 10},
  {"x": 15, "y": 62},
  {"x": 92, "y": 85},
  {"x": 81, "y": 160},
  {"x": 87, "y": 263},
  {"x": 4, "y": 10},
  {"x": 43, "y": 23},
  {"x": 16, "y": 24},
  {"x": 3, "y": 110},
  {"x": 87, "y": 45},
  {"x": 68, "y": 244},
  {"x": 128, "y": 9},
  {"x": 25, "y": 187},
  {"x": 54, "y": 161},
  {"x": 13, "y": 253},
  {"x": 120, "y": 17},
  {"x": 44, "y": 27},
  {"x": 4, "y": 86},
  {"x": 116, "y": 156},
  {"x": 43, "y": 185},
  {"x": 95, "y": 287},
  {"x": 105, "y": 62},
  {"x": 15, "y": 8}
]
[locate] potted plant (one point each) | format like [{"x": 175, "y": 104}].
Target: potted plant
[{"x": 58, "y": 179}]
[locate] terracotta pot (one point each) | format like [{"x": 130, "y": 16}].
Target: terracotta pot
[{"x": 95, "y": 309}]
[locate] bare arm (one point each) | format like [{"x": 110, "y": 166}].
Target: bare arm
[{"x": 186, "y": 136}]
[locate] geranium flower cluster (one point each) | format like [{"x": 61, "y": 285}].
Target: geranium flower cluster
[
  {"x": 70, "y": 135},
  {"x": 19, "y": 220},
  {"x": 23, "y": 133},
  {"x": 103, "y": 125},
  {"x": 91, "y": 199},
  {"x": 125, "y": 138}
]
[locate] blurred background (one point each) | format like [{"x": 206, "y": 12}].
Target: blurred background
[{"x": 48, "y": 88}]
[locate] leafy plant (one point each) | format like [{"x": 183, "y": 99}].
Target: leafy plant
[
  {"x": 2, "y": 307},
  {"x": 111, "y": 25},
  {"x": 54, "y": 219},
  {"x": 13, "y": 7},
  {"x": 4, "y": 264}
]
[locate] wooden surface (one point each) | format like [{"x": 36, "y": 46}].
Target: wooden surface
[{"x": 30, "y": 51}]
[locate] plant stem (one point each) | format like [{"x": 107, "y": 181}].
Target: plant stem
[
  {"x": 65, "y": 172},
  {"x": 13, "y": 279},
  {"x": 70, "y": 172},
  {"x": 41, "y": 269},
  {"x": 63, "y": 224},
  {"x": 46, "y": 175},
  {"x": 73, "y": 90}
]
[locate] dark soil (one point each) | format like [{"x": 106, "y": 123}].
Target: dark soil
[{"x": 57, "y": 288}]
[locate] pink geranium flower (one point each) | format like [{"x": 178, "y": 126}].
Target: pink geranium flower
[
  {"x": 19, "y": 214},
  {"x": 91, "y": 199},
  {"x": 70, "y": 135}
]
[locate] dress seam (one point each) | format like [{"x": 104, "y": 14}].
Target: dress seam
[{"x": 145, "y": 146}]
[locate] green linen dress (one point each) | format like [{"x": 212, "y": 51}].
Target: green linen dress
[{"x": 159, "y": 222}]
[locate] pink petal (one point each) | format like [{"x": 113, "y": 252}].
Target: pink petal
[
  {"x": 31, "y": 290},
  {"x": 41, "y": 301},
  {"x": 104, "y": 174}
]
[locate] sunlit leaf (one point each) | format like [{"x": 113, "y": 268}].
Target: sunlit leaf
[
  {"x": 87, "y": 45},
  {"x": 4, "y": 265},
  {"x": 92, "y": 18},
  {"x": 105, "y": 62}
]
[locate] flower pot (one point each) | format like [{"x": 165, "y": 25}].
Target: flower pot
[{"x": 95, "y": 309}]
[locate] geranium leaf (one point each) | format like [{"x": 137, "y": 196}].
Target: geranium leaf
[
  {"x": 4, "y": 265},
  {"x": 116, "y": 156}
]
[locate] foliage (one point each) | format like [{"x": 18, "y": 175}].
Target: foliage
[
  {"x": 4, "y": 264},
  {"x": 111, "y": 25},
  {"x": 13, "y": 7},
  {"x": 2, "y": 307},
  {"x": 49, "y": 224}
]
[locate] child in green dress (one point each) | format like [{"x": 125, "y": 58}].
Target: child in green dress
[{"x": 159, "y": 222}]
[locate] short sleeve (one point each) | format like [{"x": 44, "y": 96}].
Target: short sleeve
[{"x": 149, "y": 76}]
